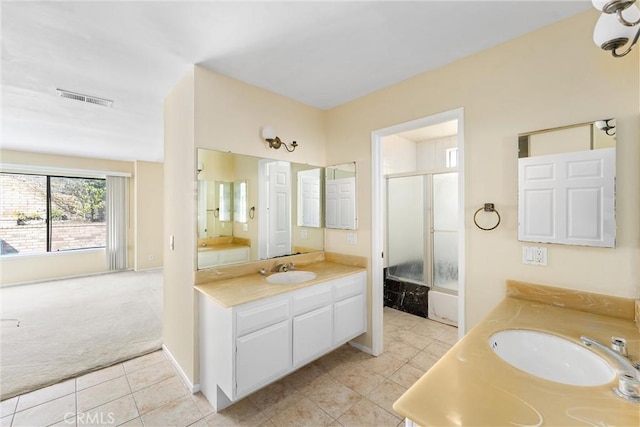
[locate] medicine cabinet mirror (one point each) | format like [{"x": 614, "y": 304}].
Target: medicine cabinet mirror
[
  {"x": 340, "y": 196},
  {"x": 566, "y": 185},
  {"x": 236, "y": 215}
]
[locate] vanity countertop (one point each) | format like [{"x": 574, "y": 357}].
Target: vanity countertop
[
  {"x": 252, "y": 287},
  {"x": 470, "y": 385},
  {"x": 221, "y": 247}
]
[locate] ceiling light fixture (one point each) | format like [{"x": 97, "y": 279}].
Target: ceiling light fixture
[
  {"x": 84, "y": 98},
  {"x": 616, "y": 27},
  {"x": 269, "y": 135}
]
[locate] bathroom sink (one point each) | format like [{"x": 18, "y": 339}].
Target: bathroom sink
[
  {"x": 551, "y": 357},
  {"x": 291, "y": 277}
]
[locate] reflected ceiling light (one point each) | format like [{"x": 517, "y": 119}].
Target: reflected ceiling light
[
  {"x": 618, "y": 26},
  {"x": 269, "y": 135}
]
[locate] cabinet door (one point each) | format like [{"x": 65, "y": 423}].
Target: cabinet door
[
  {"x": 348, "y": 319},
  {"x": 312, "y": 334},
  {"x": 262, "y": 356}
]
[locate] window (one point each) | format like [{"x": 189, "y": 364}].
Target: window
[{"x": 42, "y": 213}]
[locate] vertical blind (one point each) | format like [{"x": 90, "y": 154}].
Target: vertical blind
[{"x": 117, "y": 200}]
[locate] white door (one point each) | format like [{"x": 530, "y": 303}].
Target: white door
[
  {"x": 279, "y": 209},
  {"x": 568, "y": 198},
  {"x": 310, "y": 197},
  {"x": 340, "y": 200}
]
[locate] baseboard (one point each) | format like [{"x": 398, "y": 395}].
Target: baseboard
[
  {"x": 194, "y": 388},
  {"x": 148, "y": 269},
  {"x": 361, "y": 347}
]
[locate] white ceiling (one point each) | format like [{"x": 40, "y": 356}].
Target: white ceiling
[{"x": 320, "y": 53}]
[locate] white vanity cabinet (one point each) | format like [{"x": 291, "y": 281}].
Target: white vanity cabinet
[
  {"x": 215, "y": 258},
  {"x": 246, "y": 347}
]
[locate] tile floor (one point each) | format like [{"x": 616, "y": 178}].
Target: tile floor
[{"x": 343, "y": 388}]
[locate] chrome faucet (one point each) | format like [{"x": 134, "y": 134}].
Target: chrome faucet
[
  {"x": 629, "y": 378},
  {"x": 279, "y": 267}
]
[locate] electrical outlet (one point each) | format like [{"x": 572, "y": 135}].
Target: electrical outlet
[
  {"x": 303, "y": 233},
  {"x": 352, "y": 239},
  {"x": 534, "y": 255},
  {"x": 151, "y": 257},
  {"x": 540, "y": 256},
  {"x": 245, "y": 227}
]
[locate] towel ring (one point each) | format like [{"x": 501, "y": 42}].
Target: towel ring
[
  {"x": 488, "y": 207},
  {"x": 252, "y": 212}
]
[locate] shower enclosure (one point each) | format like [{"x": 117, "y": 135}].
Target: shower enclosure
[{"x": 422, "y": 239}]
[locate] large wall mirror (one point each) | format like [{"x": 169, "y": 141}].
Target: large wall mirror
[
  {"x": 566, "y": 185},
  {"x": 250, "y": 208}
]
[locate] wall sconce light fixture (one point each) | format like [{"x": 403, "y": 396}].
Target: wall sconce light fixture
[
  {"x": 616, "y": 27},
  {"x": 607, "y": 126},
  {"x": 269, "y": 135}
]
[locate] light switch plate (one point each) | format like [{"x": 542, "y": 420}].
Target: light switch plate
[{"x": 534, "y": 255}]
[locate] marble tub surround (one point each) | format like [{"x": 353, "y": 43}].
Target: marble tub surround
[
  {"x": 235, "y": 285},
  {"x": 606, "y": 305},
  {"x": 222, "y": 243},
  {"x": 471, "y": 385}
]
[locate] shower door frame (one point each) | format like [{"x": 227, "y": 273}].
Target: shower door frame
[{"x": 377, "y": 220}]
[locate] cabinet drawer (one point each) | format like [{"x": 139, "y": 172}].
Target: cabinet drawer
[
  {"x": 253, "y": 318},
  {"x": 233, "y": 256},
  {"x": 349, "y": 286},
  {"x": 310, "y": 299},
  {"x": 207, "y": 259}
]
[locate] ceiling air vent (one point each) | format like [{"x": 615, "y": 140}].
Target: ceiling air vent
[{"x": 85, "y": 98}]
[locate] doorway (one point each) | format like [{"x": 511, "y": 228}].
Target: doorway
[{"x": 380, "y": 249}]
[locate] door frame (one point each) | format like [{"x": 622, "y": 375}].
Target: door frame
[{"x": 377, "y": 219}]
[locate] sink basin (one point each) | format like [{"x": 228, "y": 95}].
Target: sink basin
[
  {"x": 291, "y": 277},
  {"x": 551, "y": 357}
]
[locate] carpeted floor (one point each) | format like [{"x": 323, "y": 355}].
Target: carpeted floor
[{"x": 73, "y": 326}]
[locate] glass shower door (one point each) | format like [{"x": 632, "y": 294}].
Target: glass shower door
[
  {"x": 422, "y": 229},
  {"x": 445, "y": 231},
  {"x": 406, "y": 228}
]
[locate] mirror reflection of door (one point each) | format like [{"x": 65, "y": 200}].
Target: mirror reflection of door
[{"x": 275, "y": 191}]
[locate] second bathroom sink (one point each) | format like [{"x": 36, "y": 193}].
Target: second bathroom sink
[{"x": 551, "y": 357}]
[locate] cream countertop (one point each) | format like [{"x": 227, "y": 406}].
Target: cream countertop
[
  {"x": 472, "y": 386},
  {"x": 252, "y": 287},
  {"x": 221, "y": 247}
]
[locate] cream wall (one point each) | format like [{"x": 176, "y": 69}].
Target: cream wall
[
  {"x": 549, "y": 78},
  {"x": 148, "y": 214},
  {"x": 208, "y": 110},
  {"x": 20, "y": 269},
  {"x": 180, "y": 196}
]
